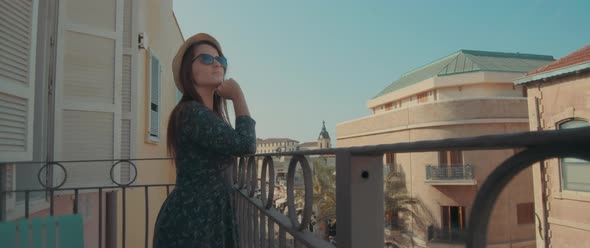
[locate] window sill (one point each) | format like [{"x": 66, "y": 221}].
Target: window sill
[
  {"x": 152, "y": 140},
  {"x": 572, "y": 195}
]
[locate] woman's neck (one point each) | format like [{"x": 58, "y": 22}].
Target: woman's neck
[{"x": 207, "y": 96}]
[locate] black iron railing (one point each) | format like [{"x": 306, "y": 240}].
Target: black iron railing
[
  {"x": 449, "y": 172},
  {"x": 52, "y": 187},
  {"x": 363, "y": 166},
  {"x": 446, "y": 235}
]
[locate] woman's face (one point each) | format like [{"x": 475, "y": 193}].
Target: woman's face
[{"x": 207, "y": 75}]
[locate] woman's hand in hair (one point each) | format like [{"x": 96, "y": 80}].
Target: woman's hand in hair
[{"x": 230, "y": 89}]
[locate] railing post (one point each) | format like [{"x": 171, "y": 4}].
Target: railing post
[
  {"x": 359, "y": 200},
  {"x": 464, "y": 176}
]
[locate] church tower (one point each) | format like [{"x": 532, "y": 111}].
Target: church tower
[{"x": 324, "y": 138}]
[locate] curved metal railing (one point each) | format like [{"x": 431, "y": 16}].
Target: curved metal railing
[
  {"x": 353, "y": 174},
  {"x": 47, "y": 185}
]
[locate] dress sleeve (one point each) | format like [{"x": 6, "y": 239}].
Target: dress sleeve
[{"x": 208, "y": 130}]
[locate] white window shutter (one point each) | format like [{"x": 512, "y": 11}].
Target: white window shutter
[
  {"x": 18, "y": 28},
  {"x": 89, "y": 93},
  {"x": 154, "y": 105},
  {"x": 127, "y": 93}
]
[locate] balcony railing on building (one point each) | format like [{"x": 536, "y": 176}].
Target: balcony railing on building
[
  {"x": 359, "y": 191},
  {"x": 446, "y": 235},
  {"x": 450, "y": 174}
]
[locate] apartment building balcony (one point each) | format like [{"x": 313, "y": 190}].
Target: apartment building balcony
[
  {"x": 359, "y": 201},
  {"x": 446, "y": 237},
  {"x": 449, "y": 175}
]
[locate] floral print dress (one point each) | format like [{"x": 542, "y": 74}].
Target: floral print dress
[{"x": 198, "y": 212}]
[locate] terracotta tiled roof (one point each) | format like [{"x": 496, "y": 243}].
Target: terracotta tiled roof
[
  {"x": 309, "y": 144},
  {"x": 272, "y": 140},
  {"x": 577, "y": 57}
]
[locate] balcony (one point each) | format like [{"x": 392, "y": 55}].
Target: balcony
[
  {"x": 358, "y": 180},
  {"x": 446, "y": 235},
  {"x": 449, "y": 175}
]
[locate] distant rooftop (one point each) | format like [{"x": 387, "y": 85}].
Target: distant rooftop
[
  {"x": 308, "y": 144},
  {"x": 465, "y": 61},
  {"x": 572, "y": 63},
  {"x": 577, "y": 57},
  {"x": 273, "y": 140}
]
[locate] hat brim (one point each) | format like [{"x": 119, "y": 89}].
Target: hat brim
[{"x": 177, "y": 62}]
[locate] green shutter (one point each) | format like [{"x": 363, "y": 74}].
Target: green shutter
[{"x": 7, "y": 234}]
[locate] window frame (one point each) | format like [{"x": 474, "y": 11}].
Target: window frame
[{"x": 561, "y": 161}]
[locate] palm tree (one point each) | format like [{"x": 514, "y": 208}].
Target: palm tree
[
  {"x": 397, "y": 200},
  {"x": 324, "y": 191}
]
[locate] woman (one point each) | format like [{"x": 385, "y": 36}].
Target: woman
[{"x": 198, "y": 212}]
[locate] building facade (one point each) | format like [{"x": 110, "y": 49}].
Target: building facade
[
  {"x": 559, "y": 98},
  {"x": 88, "y": 80},
  {"x": 468, "y": 93},
  {"x": 272, "y": 145}
]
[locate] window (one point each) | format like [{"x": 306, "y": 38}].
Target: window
[
  {"x": 390, "y": 158},
  {"x": 575, "y": 173},
  {"x": 391, "y": 168},
  {"x": 154, "y": 105},
  {"x": 422, "y": 97},
  {"x": 452, "y": 222},
  {"x": 388, "y": 106},
  {"x": 525, "y": 213},
  {"x": 452, "y": 158}
]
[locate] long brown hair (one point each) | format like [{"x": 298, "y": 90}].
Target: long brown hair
[{"x": 190, "y": 94}]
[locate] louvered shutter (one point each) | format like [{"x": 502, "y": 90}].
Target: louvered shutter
[
  {"x": 88, "y": 93},
  {"x": 18, "y": 28},
  {"x": 127, "y": 107},
  {"x": 154, "y": 104}
]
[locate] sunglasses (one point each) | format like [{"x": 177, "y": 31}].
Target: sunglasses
[{"x": 208, "y": 59}]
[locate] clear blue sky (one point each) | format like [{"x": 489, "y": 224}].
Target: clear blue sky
[{"x": 302, "y": 62}]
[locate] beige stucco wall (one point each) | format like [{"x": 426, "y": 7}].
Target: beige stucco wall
[
  {"x": 156, "y": 19},
  {"x": 503, "y": 226},
  {"x": 494, "y": 108},
  {"x": 560, "y": 100},
  {"x": 271, "y": 147},
  {"x": 479, "y": 90},
  {"x": 466, "y": 91},
  {"x": 439, "y": 113},
  {"x": 463, "y": 80}
]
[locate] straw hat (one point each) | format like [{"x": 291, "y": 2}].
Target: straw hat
[{"x": 177, "y": 62}]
